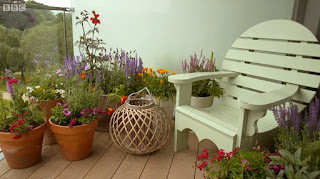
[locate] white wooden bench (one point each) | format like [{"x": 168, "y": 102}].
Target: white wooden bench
[{"x": 271, "y": 63}]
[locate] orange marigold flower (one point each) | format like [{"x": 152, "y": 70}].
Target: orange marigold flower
[
  {"x": 110, "y": 111},
  {"x": 166, "y": 71},
  {"x": 140, "y": 74},
  {"x": 158, "y": 70},
  {"x": 83, "y": 75},
  {"x": 143, "y": 70},
  {"x": 174, "y": 73},
  {"x": 92, "y": 88},
  {"x": 161, "y": 72},
  {"x": 161, "y": 81},
  {"x": 144, "y": 80},
  {"x": 150, "y": 69},
  {"x": 123, "y": 99},
  {"x": 149, "y": 73}
]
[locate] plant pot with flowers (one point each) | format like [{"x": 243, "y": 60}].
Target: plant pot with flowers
[
  {"x": 203, "y": 91},
  {"x": 22, "y": 127},
  {"x": 74, "y": 122},
  {"x": 162, "y": 90},
  {"x": 46, "y": 90},
  {"x": 112, "y": 70}
]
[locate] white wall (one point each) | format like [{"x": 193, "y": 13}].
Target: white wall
[{"x": 164, "y": 32}]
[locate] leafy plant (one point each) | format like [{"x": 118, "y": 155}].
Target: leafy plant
[
  {"x": 203, "y": 88},
  {"x": 157, "y": 82},
  {"x": 20, "y": 117},
  {"x": 80, "y": 105},
  {"x": 234, "y": 164},
  {"x": 294, "y": 129},
  {"x": 295, "y": 166}
]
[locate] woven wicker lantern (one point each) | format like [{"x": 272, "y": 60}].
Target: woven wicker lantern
[{"x": 139, "y": 126}]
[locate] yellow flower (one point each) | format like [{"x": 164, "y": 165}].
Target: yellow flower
[
  {"x": 161, "y": 81},
  {"x": 144, "y": 80},
  {"x": 149, "y": 73},
  {"x": 140, "y": 74}
]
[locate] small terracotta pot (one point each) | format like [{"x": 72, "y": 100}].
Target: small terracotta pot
[
  {"x": 46, "y": 106},
  {"x": 23, "y": 152},
  {"x": 75, "y": 142},
  {"x": 103, "y": 120}
]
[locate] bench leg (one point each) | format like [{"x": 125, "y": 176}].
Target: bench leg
[{"x": 181, "y": 140}]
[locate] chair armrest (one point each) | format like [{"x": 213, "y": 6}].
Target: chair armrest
[
  {"x": 191, "y": 77},
  {"x": 268, "y": 100}
]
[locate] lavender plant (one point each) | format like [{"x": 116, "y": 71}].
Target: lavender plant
[
  {"x": 202, "y": 88},
  {"x": 294, "y": 129}
]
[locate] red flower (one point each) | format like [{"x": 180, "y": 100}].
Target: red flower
[
  {"x": 123, "y": 99},
  {"x": 110, "y": 111},
  {"x": 203, "y": 155},
  {"x": 95, "y": 19},
  {"x": 14, "y": 80},
  {"x": 112, "y": 63},
  {"x": 73, "y": 122},
  {"x": 203, "y": 164},
  {"x": 17, "y": 137}
]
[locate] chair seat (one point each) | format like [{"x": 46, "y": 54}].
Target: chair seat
[{"x": 227, "y": 117}]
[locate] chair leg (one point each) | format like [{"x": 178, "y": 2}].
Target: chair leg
[{"x": 181, "y": 140}]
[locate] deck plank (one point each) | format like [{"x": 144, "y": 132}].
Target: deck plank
[
  {"x": 212, "y": 148},
  {"x": 4, "y": 167},
  {"x": 183, "y": 161},
  {"x": 48, "y": 151},
  {"x": 55, "y": 165},
  {"x": 159, "y": 163},
  {"x": 107, "y": 164},
  {"x": 79, "y": 169},
  {"x": 131, "y": 167}
]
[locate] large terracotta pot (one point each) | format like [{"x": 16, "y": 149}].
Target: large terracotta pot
[
  {"x": 75, "y": 142},
  {"x": 201, "y": 102},
  {"x": 46, "y": 106},
  {"x": 103, "y": 120},
  {"x": 23, "y": 152}
]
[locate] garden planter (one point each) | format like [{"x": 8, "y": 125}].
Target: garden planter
[
  {"x": 46, "y": 106},
  {"x": 75, "y": 142},
  {"x": 201, "y": 102},
  {"x": 23, "y": 152},
  {"x": 166, "y": 105},
  {"x": 103, "y": 121}
]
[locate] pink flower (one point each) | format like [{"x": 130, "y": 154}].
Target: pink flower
[
  {"x": 58, "y": 104},
  {"x": 65, "y": 105},
  {"x": 73, "y": 122},
  {"x": 203, "y": 155},
  {"x": 86, "y": 68},
  {"x": 66, "y": 112},
  {"x": 58, "y": 71}
]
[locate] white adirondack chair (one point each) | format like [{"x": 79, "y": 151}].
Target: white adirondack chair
[{"x": 271, "y": 63}]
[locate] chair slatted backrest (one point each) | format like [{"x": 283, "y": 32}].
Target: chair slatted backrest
[{"x": 270, "y": 55}]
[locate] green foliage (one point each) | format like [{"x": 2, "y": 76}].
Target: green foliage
[
  {"x": 204, "y": 88},
  {"x": 236, "y": 164},
  {"x": 4, "y": 48},
  {"x": 12, "y": 38},
  {"x": 296, "y": 166},
  {"x": 80, "y": 95},
  {"x": 19, "y": 110},
  {"x": 157, "y": 82},
  {"x": 16, "y": 60}
]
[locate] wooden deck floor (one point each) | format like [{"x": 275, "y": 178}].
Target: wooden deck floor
[{"x": 107, "y": 161}]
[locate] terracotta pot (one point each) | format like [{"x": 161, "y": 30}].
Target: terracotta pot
[
  {"x": 23, "y": 152},
  {"x": 201, "y": 102},
  {"x": 104, "y": 103},
  {"x": 75, "y": 142},
  {"x": 46, "y": 106}
]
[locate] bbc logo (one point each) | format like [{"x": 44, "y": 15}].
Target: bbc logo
[{"x": 14, "y": 7}]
